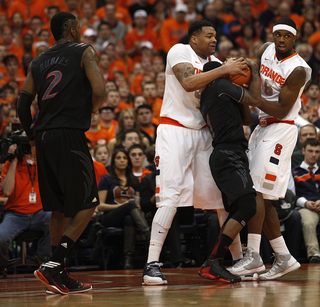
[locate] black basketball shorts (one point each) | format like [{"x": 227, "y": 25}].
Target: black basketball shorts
[{"x": 67, "y": 179}]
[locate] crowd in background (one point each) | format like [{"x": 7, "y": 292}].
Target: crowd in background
[{"x": 132, "y": 38}]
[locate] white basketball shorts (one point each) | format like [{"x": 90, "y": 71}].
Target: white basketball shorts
[
  {"x": 182, "y": 158},
  {"x": 270, "y": 150}
]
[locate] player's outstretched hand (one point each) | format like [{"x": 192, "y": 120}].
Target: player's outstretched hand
[{"x": 235, "y": 66}]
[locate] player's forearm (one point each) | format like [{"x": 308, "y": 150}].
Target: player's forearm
[
  {"x": 199, "y": 81},
  {"x": 98, "y": 100},
  {"x": 246, "y": 115},
  {"x": 273, "y": 108}
]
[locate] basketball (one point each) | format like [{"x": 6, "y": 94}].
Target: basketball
[{"x": 240, "y": 79}]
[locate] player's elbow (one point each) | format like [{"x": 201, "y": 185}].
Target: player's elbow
[{"x": 188, "y": 86}]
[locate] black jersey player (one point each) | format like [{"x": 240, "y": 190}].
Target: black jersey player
[
  {"x": 223, "y": 107},
  {"x": 70, "y": 87}
]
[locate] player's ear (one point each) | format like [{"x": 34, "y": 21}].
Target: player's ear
[{"x": 193, "y": 39}]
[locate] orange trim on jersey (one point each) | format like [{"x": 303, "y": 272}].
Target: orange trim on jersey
[
  {"x": 271, "y": 177},
  {"x": 287, "y": 58},
  {"x": 157, "y": 190},
  {"x": 170, "y": 121}
]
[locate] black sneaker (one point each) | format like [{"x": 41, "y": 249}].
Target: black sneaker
[
  {"x": 214, "y": 269},
  {"x": 49, "y": 273},
  {"x": 72, "y": 284},
  {"x": 152, "y": 275}
]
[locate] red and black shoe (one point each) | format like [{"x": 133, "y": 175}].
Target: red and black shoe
[
  {"x": 49, "y": 273},
  {"x": 72, "y": 284},
  {"x": 214, "y": 269}
]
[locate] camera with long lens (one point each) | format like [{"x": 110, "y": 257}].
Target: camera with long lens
[{"x": 17, "y": 136}]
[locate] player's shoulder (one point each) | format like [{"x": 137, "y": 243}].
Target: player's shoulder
[
  {"x": 78, "y": 45},
  {"x": 179, "y": 48}
]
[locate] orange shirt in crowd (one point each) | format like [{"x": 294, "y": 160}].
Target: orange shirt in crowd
[
  {"x": 19, "y": 80},
  {"x": 119, "y": 65},
  {"x": 27, "y": 9},
  {"x": 100, "y": 170},
  {"x": 172, "y": 32},
  {"x": 111, "y": 130},
  {"x": 123, "y": 105},
  {"x": 149, "y": 35},
  {"x": 43, "y": 4},
  {"x": 18, "y": 201},
  {"x": 98, "y": 137},
  {"x": 121, "y": 14},
  {"x": 156, "y": 108},
  {"x": 257, "y": 8}
]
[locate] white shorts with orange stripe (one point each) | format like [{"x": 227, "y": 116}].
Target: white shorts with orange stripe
[
  {"x": 182, "y": 158},
  {"x": 270, "y": 150}
]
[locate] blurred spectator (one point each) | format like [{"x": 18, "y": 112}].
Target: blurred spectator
[
  {"x": 314, "y": 61},
  {"x": 13, "y": 76},
  {"x": 125, "y": 94},
  {"x": 27, "y": 43},
  {"x": 223, "y": 50},
  {"x": 108, "y": 122},
  {"x": 27, "y": 9},
  {"x": 18, "y": 27},
  {"x": 110, "y": 85},
  {"x": 306, "y": 132},
  {"x": 248, "y": 36},
  {"x": 244, "y": 17},
  {"x": 101, "y": 154},
  {"x": 95, "y": 134},
  {"x": 159, "y": 14},
  {"x": 312, "y": 93},
  {"x": 113, "y": 100},
  {"x": 7, "y": 96},
  {"x": 210, "y": 13},
  {"x": 174, "y": 29},
  {"x": 122, "y": 14},
  {"x": 137, "y": 157},
  {"x": 307, "y": 29},
  {"x": 36, "y": 25},
  {"x": 192, "y": 14},
  {"x": 150, "y": 154},
  {"x": 3, "y": 53},
  {"x": 267, "y": 15},
  {"x": 105, "y": 36},
  {"x": 306, "y": 179},
  {"x": 141, "y": 35},
  {"x": 72, "y": 6},
  {"x": 41, "y": 47},
  {"x": 26, "y": 60},
  {"x": 88, "y": 18},
  {"x": 12, "y": 48},
  {"x": 104, "y": 64},
  {"x": 149, "y": 91},
  {"x": 138, "y": 101},
  {"x": 147, "y": 127},
  {"x": 254, "y": 49},
  {"x": 140, "y": 5},
  {"x": 118, "y": 28},
  {"x": 90, "y": 37},
  {"x": 257, "y": 7},
  {"x": 305, "y": 51},
  {"x": 158, "y": 65}
]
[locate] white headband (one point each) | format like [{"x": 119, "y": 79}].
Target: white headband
[{"x": 284, "y": 27}]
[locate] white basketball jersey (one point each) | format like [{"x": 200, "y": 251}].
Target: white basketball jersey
[
  {"x": 178, "y": 104},
  {"x": 273, "y": 74}
]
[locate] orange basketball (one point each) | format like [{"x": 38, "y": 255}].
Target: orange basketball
[{"x": 240, "y": 79}]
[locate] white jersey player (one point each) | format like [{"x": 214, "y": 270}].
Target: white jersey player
[
  {"x": 183, "y": 141},
  {"x": 284, "y": 75}
]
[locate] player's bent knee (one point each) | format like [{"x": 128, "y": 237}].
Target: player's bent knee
[
  {"x": 164, "y": 216},
  {"x": 246, "y": 209}
]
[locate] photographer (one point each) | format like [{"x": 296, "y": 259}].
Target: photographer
[{"x": 23, "y": 209}]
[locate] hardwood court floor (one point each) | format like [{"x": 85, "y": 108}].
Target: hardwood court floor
[{"x": 185, "y": 288}]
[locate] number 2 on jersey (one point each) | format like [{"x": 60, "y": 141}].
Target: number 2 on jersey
[{"x": 57, "y": 75}]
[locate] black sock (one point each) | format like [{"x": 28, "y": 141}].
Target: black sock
[
  {"x": 221, "y": 247},
  {"x": 62, "y": 249}
]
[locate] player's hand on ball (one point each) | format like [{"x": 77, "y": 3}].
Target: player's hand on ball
[{"x": 236, "y": 66}]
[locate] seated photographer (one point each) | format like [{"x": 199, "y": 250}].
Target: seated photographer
[{"x": 23, "y": 209}]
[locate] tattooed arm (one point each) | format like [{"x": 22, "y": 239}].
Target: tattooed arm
[
  {"x": 288, "y": 95},
  {"x": 90, "y": 64},
  {"x": 190, "y": 81}
]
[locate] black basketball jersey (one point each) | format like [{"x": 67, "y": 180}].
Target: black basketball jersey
[
  {"x": 219, "y": 106},
  {"x": 64, "y": 91}
]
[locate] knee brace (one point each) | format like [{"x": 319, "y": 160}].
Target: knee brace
[
  {"x": 245, "y": 209},
  {"x": 164, "y": 216}
]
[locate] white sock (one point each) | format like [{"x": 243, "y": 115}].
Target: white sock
[
  {"x": 158, "y": 235},
  {"x": 279, "y": 245},
  {"x": 254, "y": 240}
]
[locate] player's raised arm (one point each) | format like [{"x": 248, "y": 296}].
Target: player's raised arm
[
  {"x": 90, "y": 64},
  {"x": 190, "y": 81}
]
